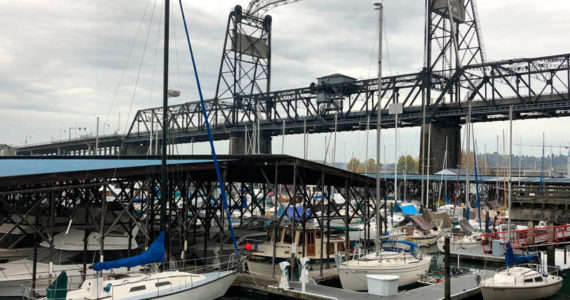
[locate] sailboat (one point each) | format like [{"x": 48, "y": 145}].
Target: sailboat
[
  {"x": 526, "y": 282},
  {"x": 168, "y": 285},
  {"x": 408, "y": 265},
  {"x": 519, "y": 282}
]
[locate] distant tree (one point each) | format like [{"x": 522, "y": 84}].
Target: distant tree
[
  {"x": 408, "y": 163},
  {"x": 464, "y": 160},
  {"x": 354, "y": 165},
  {"x": 371, "y": 163}
]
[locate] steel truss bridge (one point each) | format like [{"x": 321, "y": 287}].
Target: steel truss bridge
[{"x": 535, "y": 87}]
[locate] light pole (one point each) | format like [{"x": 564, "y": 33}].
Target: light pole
[{"x": 77, "y": 129}]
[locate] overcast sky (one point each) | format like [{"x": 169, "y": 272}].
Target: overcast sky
[{"x": 65, "y": 62}]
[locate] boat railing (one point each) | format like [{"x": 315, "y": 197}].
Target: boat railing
[
  {"x": 197, "y": 265},
  {"x": 222, "y": 264}
]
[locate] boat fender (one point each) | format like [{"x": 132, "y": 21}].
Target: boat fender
[
  {"x": 108, "y": 287},
  {"x": 255, "y": 245}
]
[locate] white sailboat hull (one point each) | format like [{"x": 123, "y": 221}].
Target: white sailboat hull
[
  {"x": 520, "y": 293},
  {"x": 354, "y": 277},
  {"x": 208, "y": 291}
]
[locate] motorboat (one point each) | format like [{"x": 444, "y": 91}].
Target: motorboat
[
  {"x": 410, "y": 265},
  {"x": 260, "y": 261}
]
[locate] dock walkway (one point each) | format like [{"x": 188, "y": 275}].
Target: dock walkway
[{"x": 462, "y": 287}]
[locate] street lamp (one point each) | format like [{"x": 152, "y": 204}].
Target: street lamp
[{"x": 77, "y": 130}]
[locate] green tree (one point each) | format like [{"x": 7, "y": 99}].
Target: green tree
[
  {"x": 354, "y": 165},
  {"x": 371, "y": 163},
  {"x": 408, "y": 163}
]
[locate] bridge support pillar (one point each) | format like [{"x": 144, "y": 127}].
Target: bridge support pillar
[
  {"x": 129, "y": 149},
  {"x": 440, "y": 132},
  {"x": 6, "y": 150},
  {"x": 237, "y": 145}
]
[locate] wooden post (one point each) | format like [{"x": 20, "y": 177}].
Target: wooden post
[
  {"x": 550, "y": 255},
  {"x": 323, "y": 221},
  {"x": 486, "y": 221},
  {"x": 447, "y": 267}
]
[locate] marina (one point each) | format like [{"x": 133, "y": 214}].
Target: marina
[{"x": 138, "y": 214}]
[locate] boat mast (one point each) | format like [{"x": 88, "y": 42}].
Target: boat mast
[
  {"x": 378, "y": 128},
  {"x": 468, "y": 152},
  {"x": 510, "y": 170},
  {"x": 163, "y": 170}
]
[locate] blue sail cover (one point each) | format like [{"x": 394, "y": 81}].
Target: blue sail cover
[
  {"x": 512, "y": 259},
  {"x": 154, "y": 253}
]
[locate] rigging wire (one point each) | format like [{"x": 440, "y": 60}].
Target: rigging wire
[
  {"x": 210, "y": 138},
  {"x": 126, "y": 64},
  {"x": 139, "y": 69}
]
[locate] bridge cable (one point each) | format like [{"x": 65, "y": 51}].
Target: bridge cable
[{"x": 210, "y": 138}]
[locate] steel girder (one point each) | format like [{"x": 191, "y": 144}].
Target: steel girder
[{"x": 536, "y": 87}]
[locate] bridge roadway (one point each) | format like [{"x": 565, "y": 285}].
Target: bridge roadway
[
  {"x": 552, "y": 106},
  {"x": 535, "y": 87}
]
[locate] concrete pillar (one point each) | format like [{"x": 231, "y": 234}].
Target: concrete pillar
[
  {"x": 439, "y": 132},
  {"x": 6, "y": 150},
  {"x": 237, "y": 145}
]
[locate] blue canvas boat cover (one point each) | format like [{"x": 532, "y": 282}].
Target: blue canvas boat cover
[
  {"x": 154, "y": 254},
  {"x": 512, "y": 259},
  {"x": 302, "y": 214}
]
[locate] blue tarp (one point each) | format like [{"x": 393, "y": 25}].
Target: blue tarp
[
  {"x": 154, "y": 253},
  {"x": 406, "y": 209},
  {"x": 299, "y": 215},
  {"x": 512, "y": 259}
]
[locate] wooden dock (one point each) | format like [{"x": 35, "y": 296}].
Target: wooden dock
[
  {"x": 461, "y": 288},
  {"x": 476, "y": 254}
]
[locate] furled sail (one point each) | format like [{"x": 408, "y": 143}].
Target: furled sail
[
  {"x": 154, "y": 254},
  {"x": 512, "y": 259}
]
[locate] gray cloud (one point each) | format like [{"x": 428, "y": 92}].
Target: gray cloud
[{"x": 61, "y": 61}]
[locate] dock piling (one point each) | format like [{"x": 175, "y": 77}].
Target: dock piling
[{"x": 447, "y": 267}]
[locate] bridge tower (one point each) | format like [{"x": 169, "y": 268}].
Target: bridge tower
[
  {"x": 453, "y": 40},
  {"x": 245, "y": 69}
]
